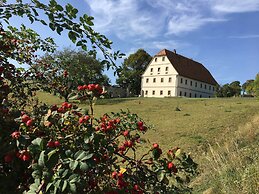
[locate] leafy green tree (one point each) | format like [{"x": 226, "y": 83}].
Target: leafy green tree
[
  {"x": 256, "y": 85},
  {"x": 235, "y": 88},
  {"x": 131, "y": 70},
  {"x": 74, "y": 68},
  {"x": 248, "y": 86}
]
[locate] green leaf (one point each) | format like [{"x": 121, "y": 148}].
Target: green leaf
[
  {"x": 36, "y": 174},
  {"x": 160, "y": 175},
  {"x": 57, "y": 183},
  {"x": 59, "y": 30},
  {"x": 59, "y": 8},
  {"x": 52, "y": 26},
  {"x": 72, "y": 36},
  {"x": 53, "y": 157},
  {"x": 42, "y": 159},
  {"x": 83, "y": 166},
  {"x": 82, "y": 155},
  {"x": 64, "y": 186},
  {"x": 72, "y": 187},
  {"x": 73, "y": 164},
  {"x": 37, "y": 141}
]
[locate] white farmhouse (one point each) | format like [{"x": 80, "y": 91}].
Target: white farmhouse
[{"x": 170, "y": 74}]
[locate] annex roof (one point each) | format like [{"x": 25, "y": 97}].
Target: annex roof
[{"x": 187, "y": 67}]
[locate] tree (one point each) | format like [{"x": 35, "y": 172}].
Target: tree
[
  {"x": 131, "y": 70},
  {"x": 256, "y": 85},
  {"x": 74, "y": 68},
  {"x": 235, "y": 88},
  {"x": 248, "y": 86}
]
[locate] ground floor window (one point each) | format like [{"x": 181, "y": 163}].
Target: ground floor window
[
  {"x": 200, "y": 96},
  {"x": 180, "y": 93},
  {"x": 195, "y": 95},
  {"x": 185, "y": 94},
  {"x": 153, "y": 92},
  {"x": 146, "y": 92},
  {"x": 169, "y": 93},
  {"x": 161, "y": 92},
  {"x": 190, "y": 95}
]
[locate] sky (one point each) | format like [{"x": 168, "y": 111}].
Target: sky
[{"x": 223, "y": 35}]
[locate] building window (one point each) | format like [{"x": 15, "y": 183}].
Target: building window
[
  {"x": 180, "y": 93},
  {"x": 209, "y": 87},
  {"x": 209, "y": 96},
  {"x": 191, "y": 83},
  {"x": 163, "y": 58},
  {"x": 200, "y": 96},
  {"x": 153, "y": 92},
  {"x": 196, "y": 84},
  {"x": 169, "y": 79},
  {"x": 205, "y": 86},
  {"x": 154, "y": 80},
  {"x": 146, "y": 92},
  {"x": 147, "y": 80},
  {"x": 181, "y": 80},
  {"x": 185, "y": 93},
  {"x": 195, "y": 95},
  {"x": 169, "y": 92},
  {"x": 158, "y": 69},
  {"x": 161, "y": 92},
  {"x": 201, "y": 85},
  {"x": 166, "y": 69},
  {"x": 213, "y": 88},
  {"x": 155, "y": 59},
  {"x": 151, "y": 70},
  {"x": 190, "y": 95},
  {"x": 162, "y": 80}
]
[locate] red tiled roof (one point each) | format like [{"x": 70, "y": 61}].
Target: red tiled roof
[{"x": 187, "y": 67}]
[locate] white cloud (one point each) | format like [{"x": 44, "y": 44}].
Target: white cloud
[
  {"x": 186, "y": 23},
  {"x": 235, "y": 6},
  {"x": 149, "y": 19},
  {"x": 245, "y": 36}
]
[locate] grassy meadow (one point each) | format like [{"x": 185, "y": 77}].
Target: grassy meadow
[{"x": 220, "y": 134}]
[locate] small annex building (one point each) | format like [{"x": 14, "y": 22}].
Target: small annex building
[{"x": 170, "y": 75}]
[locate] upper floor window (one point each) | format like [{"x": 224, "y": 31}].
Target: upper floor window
[
  {"x": 205, "y": 86},
  {"x": 166, "y": 68},
  {"x": 151, "y": 70},
  {"x": 147, "y": 80},
  {"x": 209, "y": 87},
  {"x": 195, "y": 84},
  {"x": 155, "y": 59},
  {"x": 201, "y": 85},
  {"x": 213, "y": 88},
  {"x": 191, "y": 83},
  {"x": 163, "y": 58},
  {"x": 158, "y": 69},
  {"x": 186, "y": 82},
  {"x": 169, "y": 79},
  {"x": 161, "y": 92},
  {"x": 181, "y": 80},
  {"x": 154, "y": 80},
  {"x": 162, "y": 80}
]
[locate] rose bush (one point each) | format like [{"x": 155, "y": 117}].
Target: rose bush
[{"x": 60, "y": 148}]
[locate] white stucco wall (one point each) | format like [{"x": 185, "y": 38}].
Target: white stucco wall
[{"x": 159, "y": 76}]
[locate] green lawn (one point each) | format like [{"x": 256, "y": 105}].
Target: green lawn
[{"x": 198, "y": 124}]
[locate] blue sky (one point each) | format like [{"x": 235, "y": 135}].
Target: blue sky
[{"x": 221, "y": 34}]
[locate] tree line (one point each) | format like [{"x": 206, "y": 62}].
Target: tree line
[{"x": 249, "y": 88}]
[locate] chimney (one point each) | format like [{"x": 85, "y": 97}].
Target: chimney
[{"x": 174, "y": 51}]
